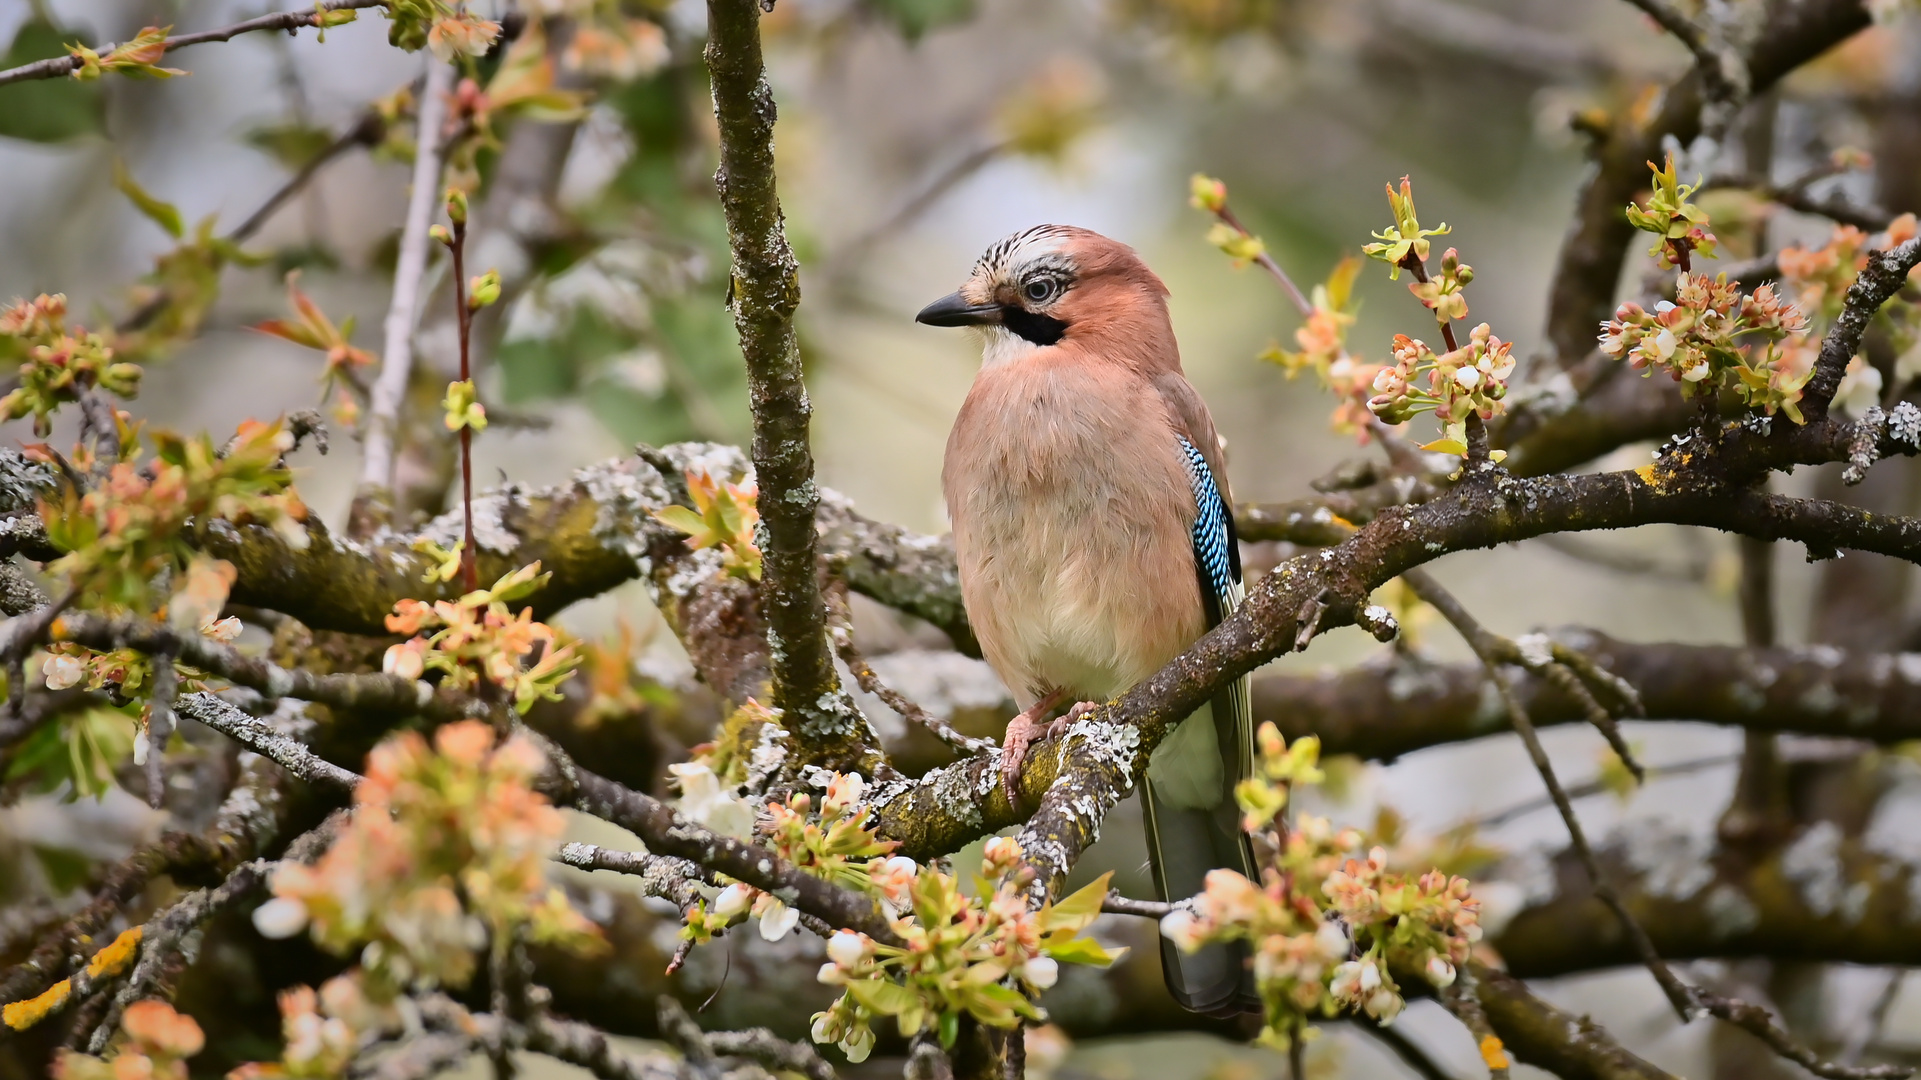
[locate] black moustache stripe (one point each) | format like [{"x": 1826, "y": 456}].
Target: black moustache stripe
[{"x": 1034, "y": 327}]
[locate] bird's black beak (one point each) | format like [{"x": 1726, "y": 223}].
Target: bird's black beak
[{"x": 956, "y": 310}]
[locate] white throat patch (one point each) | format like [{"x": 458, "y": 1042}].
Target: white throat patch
[{"x": 999, "y": 345}]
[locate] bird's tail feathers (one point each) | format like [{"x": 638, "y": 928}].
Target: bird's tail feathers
[{"x": 1192, "y": 830}]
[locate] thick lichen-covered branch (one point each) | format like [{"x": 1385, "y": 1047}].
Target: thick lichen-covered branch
[
  {"x": 1382, "y": 710},
  {"x": 765, "y": 290},
  {"x": 1693, "y": 483}
]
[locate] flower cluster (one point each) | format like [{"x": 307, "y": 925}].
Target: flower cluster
[
  {"x": 121, "y": 536},
  {"x": 1470, "y": 380},
  {"x": 1323, "y": 337},
  {"x": 1680, "y": 226},
  {"x": 835, "y": 845},
  {"x": 325, "y": 1031},
  {"x": 312, "y": 328},
  {"x": 617, "y": 47},
  {"x": 724, "y": 516},
  {"x": 58, "y": 362},
  {"x": 982, "y": 955},
  {"x": 1323, "y": 350},
  {"x": 445, "y": 29},
  {"x": 1712, "y": 336},
  {"x": 446, "y": 853},
  {"x": 1403, "y": 242},
  {"x": 1328, "y": 925},
  {"x": 1263, "y": 796},
  {"x": 158, "y": 1041},
  {"x": 463, "y": 408},
  {"x": 478, "y": 638},
  {"x": 522, "y": 86},
  {"x": 1445, "y": 295},
  {"x": 138, "y": 57}
]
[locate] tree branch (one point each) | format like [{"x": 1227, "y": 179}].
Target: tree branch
[
  {"x": 1885, "y": 274},
  {"x": 1703, "y": 485},
  {"x": 1679, "y": 994},
  {"x": 290, "y": 21},
  {"x": 373, "y": 499},
  {"x": 765, "y": 289}
]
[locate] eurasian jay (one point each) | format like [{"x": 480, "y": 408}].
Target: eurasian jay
[{"x": 1088, "y": 496}]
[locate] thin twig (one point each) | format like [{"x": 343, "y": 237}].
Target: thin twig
[
  {"x": 840, "y": 627},
  {"x": 1478, "y": 638},
  {"x": 1724, "y": 72},
  {"x": 289, "y": 21},
  {"x": 1760, "y": 1023},
  {"x": 1116, "y": 904},
  {"x": 464, "y": 320},
  {"x": 1407, "y": 1050},
  {"x": 1885, "y": 275},
  {"x": 855, "y": 252},
  {"x": 1293, "y": 291},
  {"x": 396, "y": 358},
  {"x": 1597, "y": 787},
  {"x": 772, "y": 1051},
  {"x": 1694, "y": 571},
  {"x": 367, "y": 131},
  {"x": 284, "y": 750},
  {"x": 166, "y": 683},
  {"x": 1868, "y": 1032},
  {"x": 671, "y": 879}
]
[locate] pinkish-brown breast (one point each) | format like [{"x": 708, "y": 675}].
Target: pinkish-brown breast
[{"x": 1072, "y": 514}]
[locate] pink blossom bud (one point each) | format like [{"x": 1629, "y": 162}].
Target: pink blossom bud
[
  {"x": 62, "y": 672},
  {"x": 1041, "y": 972},
  {"x": 1384, "y": 1005},
  {"x": 1331, "y": 940},
  {"x": 1179, "y": 926},
  {"x": 847, "y": 948},
  {"x": 777, "y": 920},
  {"x": 281, "y": 917},
  {"x": 733, "y": 901},
  {"x": 1440, "y": 972}
]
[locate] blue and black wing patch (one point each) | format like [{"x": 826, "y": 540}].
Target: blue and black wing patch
[{"x": 1217, "y": 551}]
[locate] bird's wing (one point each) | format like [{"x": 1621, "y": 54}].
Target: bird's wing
[
  {"x": 1217, "y": 549},
  {"x": 1188, "y": 836}
]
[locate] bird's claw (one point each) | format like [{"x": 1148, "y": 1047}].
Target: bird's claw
[{"x": 1021, "y": 733}]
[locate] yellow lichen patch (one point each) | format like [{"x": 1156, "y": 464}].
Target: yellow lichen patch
[
  {"x": 114, "y": 958},
  {"x": 1493, "y": 1052},
  {"x": 22, "y": 1015},
  {"x": 1646, "y": 473}
]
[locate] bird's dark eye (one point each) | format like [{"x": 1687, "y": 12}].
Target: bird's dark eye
[{"x": 1040, "y": 289}]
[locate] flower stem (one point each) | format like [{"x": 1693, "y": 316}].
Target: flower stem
[{"x": 469, "y": 571}]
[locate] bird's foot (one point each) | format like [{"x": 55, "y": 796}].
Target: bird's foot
[
  {"x": 1023, "y": 731},
  {"x": 1081, "y": 708}
]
